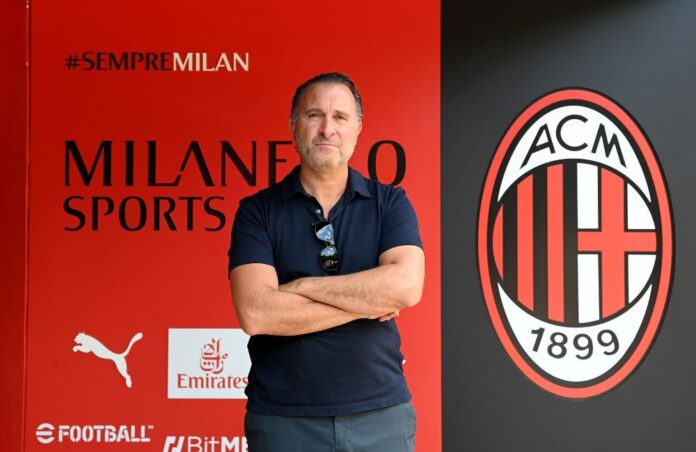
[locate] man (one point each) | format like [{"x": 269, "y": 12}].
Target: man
[{"x": 320, "y": 264}]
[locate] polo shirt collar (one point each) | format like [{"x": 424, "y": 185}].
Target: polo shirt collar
[
  {"x": 291, "y": 185},
  {"x": 356, "y": 185}
]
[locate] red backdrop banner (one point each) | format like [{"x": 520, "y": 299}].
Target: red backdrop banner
[
  {"x": 13, "y": 135},
  {"x": 148, "y": 122}
]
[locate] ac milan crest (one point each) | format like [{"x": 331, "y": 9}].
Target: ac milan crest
[{"x": 575, "y": 243}]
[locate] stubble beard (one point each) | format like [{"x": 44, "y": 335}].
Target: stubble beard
[{"x": 321, "y": 161}]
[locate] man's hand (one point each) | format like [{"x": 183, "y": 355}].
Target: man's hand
[{"x": 389, "y": 316}]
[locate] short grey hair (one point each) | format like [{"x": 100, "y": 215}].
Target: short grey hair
[{"x": 329, "y": 77}]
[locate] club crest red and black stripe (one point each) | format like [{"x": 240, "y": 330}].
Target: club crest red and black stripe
[{"x": 536, "y": 241}]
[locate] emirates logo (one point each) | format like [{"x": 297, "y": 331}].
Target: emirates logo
[
  {"x": 212, "y": 358},
  {"x": 208, "y": 363}
]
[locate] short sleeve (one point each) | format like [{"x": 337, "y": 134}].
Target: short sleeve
[
  {"x": 399, "y": 223},
  {"x": 250, "y": 242}
]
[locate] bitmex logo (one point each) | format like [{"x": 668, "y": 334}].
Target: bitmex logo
[
  {"x": 47, "y": 433},
  {"x": 575, "y": 243},
  {"x": 205, "y": 444}
]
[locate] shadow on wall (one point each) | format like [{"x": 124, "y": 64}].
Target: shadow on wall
[{"x": 487, "y": 23}]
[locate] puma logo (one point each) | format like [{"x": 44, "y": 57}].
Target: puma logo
[{"x": 86, "y": 344}]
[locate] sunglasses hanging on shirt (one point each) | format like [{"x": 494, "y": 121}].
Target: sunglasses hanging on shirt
[{"x": 328, "y": 257}]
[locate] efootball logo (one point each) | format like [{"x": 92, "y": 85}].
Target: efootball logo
[{"x": 575, "y": 243}]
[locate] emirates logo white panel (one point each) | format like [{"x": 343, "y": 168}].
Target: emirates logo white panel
[{"x": 208, "y": 363}]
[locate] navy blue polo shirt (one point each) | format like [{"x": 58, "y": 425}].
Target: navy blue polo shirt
[{"x": 347, "y": 369}]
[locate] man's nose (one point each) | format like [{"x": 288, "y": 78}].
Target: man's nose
[{"x": 328, "y": 127}]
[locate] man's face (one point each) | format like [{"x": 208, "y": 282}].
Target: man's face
[{"x": 327, "y": 126}]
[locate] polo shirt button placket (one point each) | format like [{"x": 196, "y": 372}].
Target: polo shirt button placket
[{"x": 320, "y": 215}]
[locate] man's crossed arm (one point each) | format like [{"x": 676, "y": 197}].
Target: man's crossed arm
[{"x": 313, "y": 304}]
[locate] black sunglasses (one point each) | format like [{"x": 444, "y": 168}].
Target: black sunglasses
[{"x": 328, "y": 257}]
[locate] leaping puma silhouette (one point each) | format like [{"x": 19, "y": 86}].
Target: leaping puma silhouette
[{"x": 86, "y": 344}]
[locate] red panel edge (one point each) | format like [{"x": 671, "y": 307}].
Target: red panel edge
[{"x": 13, "y": 208}]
